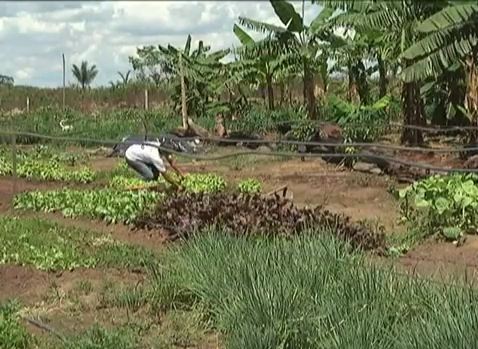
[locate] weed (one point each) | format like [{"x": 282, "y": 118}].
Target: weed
[
  {"x": 100, "y": 338},
  {"x": 84, "y": 287}
]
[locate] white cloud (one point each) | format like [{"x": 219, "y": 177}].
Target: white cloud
[
  {"x": 25, "y": 73},
  {"x": 35, "y": 34}
]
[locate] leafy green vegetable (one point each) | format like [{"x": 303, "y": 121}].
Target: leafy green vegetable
[
  {"x": 444, "y": 203},
  {"x": 249, "y": 186},
  {"x": 204, "y": 183},
  {"x": 45, "y": 169},
  {"x": 111, "y": 205},
  {"x": 51, "y": 247},
  {"x": 194, "y": 182}
]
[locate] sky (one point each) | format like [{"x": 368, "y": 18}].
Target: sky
[{"x": 34, "y": 34}]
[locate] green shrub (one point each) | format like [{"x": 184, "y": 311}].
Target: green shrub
[{"x": 360, "y": 123}]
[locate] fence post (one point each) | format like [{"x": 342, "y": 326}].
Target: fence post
[
  {"x": 28, "y": 104},
  {"x": 63, "y": 61},
  {"x": 14, "y": 164},
  {"x": 184, "y": 111},
  {"x": 146, "y": 104}
]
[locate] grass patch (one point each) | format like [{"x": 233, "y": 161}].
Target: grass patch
[
  {"x": 99, "y": 337},
  {"x": 49, "y": 246},
  {"x": 12, "y": 334},
  {"x": 311, "y": 292}
]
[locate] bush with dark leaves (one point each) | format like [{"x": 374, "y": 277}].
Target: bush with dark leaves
[{"x": 186, "y": 213}]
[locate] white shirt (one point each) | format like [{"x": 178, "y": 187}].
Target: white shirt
[{"x": 146, "y": 154}]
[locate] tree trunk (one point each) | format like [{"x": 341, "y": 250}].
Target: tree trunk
[
  {"x": 220, "y": 128},
  {"x": 471, "y": 99},
  {"x": 282, "y": 93},
  {"x": 309, "y": 96},
  {"x": 289, "y": 91},
  {"x": 413, "y": 113},
  {"x": 184, "y": 111},
  {"x": 352, "y": 93},
  {"x": 270, "y": 91},
  {"x": 262, "y": 91},
  {"x": 382, "y": 77}
]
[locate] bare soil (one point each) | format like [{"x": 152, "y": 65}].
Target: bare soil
[{"x": 31, "y": 285}]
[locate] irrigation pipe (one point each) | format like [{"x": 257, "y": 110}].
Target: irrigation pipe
[
  {"x": 274, "y": 153},
  {"x": 249, "y": 141},
  {"x": 444, "y": 129},
  {"x": 45, "y": 327}
]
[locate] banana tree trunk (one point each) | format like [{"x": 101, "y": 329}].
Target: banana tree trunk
[
  {"x": 282, "y": 93},
  {"x": 184, "y": 108},
  {"x": 270, "y": 91},
  {"x": 352, "y": 92},
  {"x": 413, "y": 113},
  {"x": 263, "y": 92},
  {"x": 309, "y": 96},
  {"x": 471, "y": 99},
  {"x": 382, "y": 76}
]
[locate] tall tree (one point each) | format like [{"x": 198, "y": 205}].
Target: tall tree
[
  {"x": 84, "y": 74},
  {"x": 6, "y": 80}
]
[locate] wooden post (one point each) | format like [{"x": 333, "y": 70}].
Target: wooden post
[
  {"x": 146, "y": 99},
  {"x": 28, "y": 104},
  {"x": 14, "y": 163},
  {"x": 184, "y": 110},
  {"x": 63, "y": 58}
]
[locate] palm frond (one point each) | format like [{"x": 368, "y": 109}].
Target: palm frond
[
  {"x": 440, "y": 60},
  {"x": 451, "y": 16},
  {"x": 288, "y": 16},
  {"x": 243, "y": 37},
  {"x": 261, "y": 26}
]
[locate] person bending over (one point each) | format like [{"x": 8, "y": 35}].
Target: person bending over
[{"x": 147, "y": 161}]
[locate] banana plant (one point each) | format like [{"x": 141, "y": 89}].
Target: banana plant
[
  {"x": 259, "y": 61},
  {"x": 299, "y": 43},
  {"x": 397, "y": 21},
  {"x": 450, "y": 37},
  {"x": 203, "y": 71}
]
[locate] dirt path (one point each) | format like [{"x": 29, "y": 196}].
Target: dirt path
[{"x": 31, "y": 285}]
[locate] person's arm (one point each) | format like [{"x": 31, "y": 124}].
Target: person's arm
[{"x": 173, "y": 165}]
